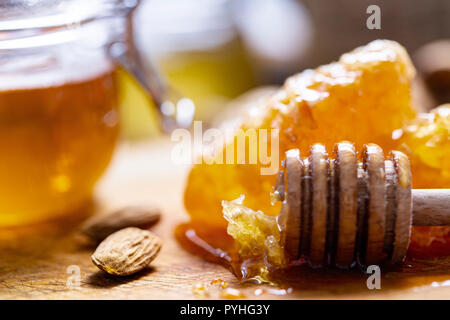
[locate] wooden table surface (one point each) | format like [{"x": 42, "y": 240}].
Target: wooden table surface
[{"x": 35, "y": 260}]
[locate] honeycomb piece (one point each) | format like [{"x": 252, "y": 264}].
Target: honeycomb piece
[
  {"x": 426, "y": 140},
  {"x": 257, "y": 237},
  {"x": 361, "y": 98},
  {"x": 256, "y": 234}
]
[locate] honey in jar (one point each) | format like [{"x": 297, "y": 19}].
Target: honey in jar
[
  {"x": 59, "y": 120},
  {"x": 56, "y": 139}
]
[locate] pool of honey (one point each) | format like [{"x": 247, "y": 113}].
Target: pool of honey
[
  {"x": 424, "y": 267},
  {"x": 56, "y": 139}
]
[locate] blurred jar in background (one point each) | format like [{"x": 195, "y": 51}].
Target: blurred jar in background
[
  {"x": 197, "y": 48},
  {"x": 59, "y": 119},
  {"x": 277, "y": 35},
  {"x": 211, "y": 51}
]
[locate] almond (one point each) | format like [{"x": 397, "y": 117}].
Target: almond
[
  {"x": 99, "y": 227},
  {"x": 127, "y": 251}
]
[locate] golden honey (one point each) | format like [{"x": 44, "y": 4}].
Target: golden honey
[{"x": 57, "y": 134}]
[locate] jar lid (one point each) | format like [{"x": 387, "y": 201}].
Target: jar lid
[
  {"x": 31, "y": 23},
  {"x": 32, "y": 14}
]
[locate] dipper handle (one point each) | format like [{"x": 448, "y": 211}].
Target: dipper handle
[{"x": 431, "y": 207}]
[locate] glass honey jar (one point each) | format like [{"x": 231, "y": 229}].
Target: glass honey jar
[{"x": 59, "y": 121}]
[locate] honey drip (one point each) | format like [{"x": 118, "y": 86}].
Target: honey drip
[{"x": 417, "y": 272}]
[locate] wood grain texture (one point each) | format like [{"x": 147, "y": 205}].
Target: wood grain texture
[
  {"x": 373, "y": 159},
  {"x": 404, "y": 210},
  {"x": 34, "y": 259},
  {"x": 319, "y": 163},
  {"x": 431, "y": 207},
  {"x": 347, "y": 192},
  {"x": 291, "y": 223}
]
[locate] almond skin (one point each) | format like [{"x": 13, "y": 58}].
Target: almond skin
[
  {"x": 99, "y": 227},
  {"x": 127, "y": 251}
]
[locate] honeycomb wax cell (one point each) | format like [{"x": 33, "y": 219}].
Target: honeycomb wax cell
[
  {"x": 257, "y": 237},
  {"x": 257, "y": 234},
  {"x": 361, "y": 98}
]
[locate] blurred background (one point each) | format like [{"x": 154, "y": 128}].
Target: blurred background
[{"x": 212, "y": 51}]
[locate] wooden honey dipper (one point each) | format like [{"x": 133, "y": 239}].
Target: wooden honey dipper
[{"x": 343, "y": 211}]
